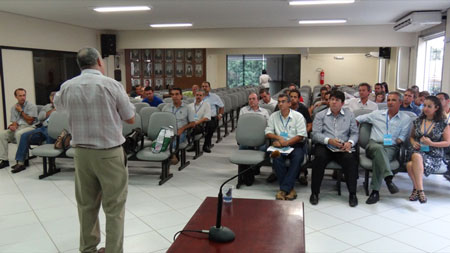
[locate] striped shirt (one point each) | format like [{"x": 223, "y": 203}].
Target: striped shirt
[{"x": 96, "y": 106}]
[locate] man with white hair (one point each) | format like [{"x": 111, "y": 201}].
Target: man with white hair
[{"x": 96, "y": 105}]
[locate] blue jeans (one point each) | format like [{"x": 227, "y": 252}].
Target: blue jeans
[
  {"x": 287, "y": 175},
  {"x": 182, "y": 139},
  {"x": 36, "y": 139}
]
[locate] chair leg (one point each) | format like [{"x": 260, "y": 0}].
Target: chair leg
[
  {"x": 44, "y": 168},
  {"x": 240, "y": 181},
  {"x": 225, "y": 125},
  {"x": 338, "y": 183},
  {"x": 232, "y": 121},
  {"x": 219, "y": 138},
  {"x": 183, "y": 163},
  {"x": 198, "y": 150},
  {"x": 165, "y": 172},
  {"x": 52, "y": 166},
  {"x": 366, "y": 182}
]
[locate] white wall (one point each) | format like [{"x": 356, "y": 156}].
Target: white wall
[
  {"x": 446, "y": 64},
  {"x": 353, "y": 69},
  {"x": 21, "y": 31},
  {"x": 333, "y": 36},
  {"x": 18, "y": 73}
]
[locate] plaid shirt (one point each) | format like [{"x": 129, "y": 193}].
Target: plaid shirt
[{"x": 96, "y": 106}]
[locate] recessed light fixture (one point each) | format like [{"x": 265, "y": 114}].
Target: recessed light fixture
[
  {"x": 122, "y": 8},
  {"x": 316, "y": 2},
  {"x": 171, "y": 25},
  {"x": 324, "y": 21}
]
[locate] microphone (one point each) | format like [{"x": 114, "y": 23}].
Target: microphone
[{"x": 219, "y": 233}]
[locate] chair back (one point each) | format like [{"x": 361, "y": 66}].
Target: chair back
[
  {"x": 128, "y": 128},
  {"x": 161, "y": 106},
  {"x": 167, "y": 100},
  {"x": 159, "y": 120},
  {"x": 57, "y": 122},
  {"x": 364, "y": 134},
  {"x": 269, "y": 108},
  {"x": 140, "y": 105},
  {"x": 250, "y": 130},
  {"x": 145, "y": 116},
  {"x": 361, "y": 112},
  {"x": 227, "y": 102}
]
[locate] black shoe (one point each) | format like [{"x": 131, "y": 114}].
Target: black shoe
[
  {"x": 206, "y": 149},
  {"x": 191, "y": 149},
  {"x": 272, "y": 178},
  {"x": 373, "y": 198},
  {"x": 4, "y": 164},
  {"x": 15, "y": 165},
  {"x": 352, "y": 200},
  {"x": 18, "y": 168},
  {"x": 314, "y": 199},
  {"x": 303, "y": 180},
  {"x": 392, "y": 187}
]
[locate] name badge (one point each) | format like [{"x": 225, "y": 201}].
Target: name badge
[
  {"x": 284, "y": 135},
  {"x": 387, "y": 139},
  {"x": 424, "y": 148},
  {"x": 196, "y": 116}
]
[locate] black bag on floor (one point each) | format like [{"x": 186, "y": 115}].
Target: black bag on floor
[{"x": 247, "y": 178}]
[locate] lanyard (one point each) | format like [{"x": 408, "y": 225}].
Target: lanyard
[
  {"x": 282, "y": 123},
  {"x": 387, "y": 122},
  {"x": 425, "y": 129},
  {"x": 195, "y": 107},
  {"x": 448, "y": 118},
  {"x": 175, "y": 111}
]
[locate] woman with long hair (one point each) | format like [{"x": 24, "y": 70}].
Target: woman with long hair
[{"x": 429, "y": 136}]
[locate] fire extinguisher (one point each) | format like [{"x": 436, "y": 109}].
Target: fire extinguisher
[{"x": 322, "y": 77}]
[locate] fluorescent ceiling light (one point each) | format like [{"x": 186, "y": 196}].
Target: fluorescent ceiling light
[
  {"x": 122, "y": 8},
  {"x": 325, "y": 21},
  {"x": 171, "y": 25},
  {"x": 316, "y": 2}
]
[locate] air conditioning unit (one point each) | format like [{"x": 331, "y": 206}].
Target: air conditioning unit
[{"x": 418, "y": 21}]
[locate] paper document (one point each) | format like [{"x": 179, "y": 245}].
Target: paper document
[
  {"x": 336, "y": 149},
  {"x": 285, "y": 150}
]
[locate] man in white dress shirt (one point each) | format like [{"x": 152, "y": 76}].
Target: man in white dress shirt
[{"x": 363, "y": 102}]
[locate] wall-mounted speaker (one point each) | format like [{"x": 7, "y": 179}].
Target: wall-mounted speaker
[
  {"x": 118, "y": 75},
  {"x": 108, "y": 42},
  {"x": 385, "y": 52}
]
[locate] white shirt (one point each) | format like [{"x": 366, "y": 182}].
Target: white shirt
[
  {"x": 260, "y": 111},
  {"x": 355, "y": 104},
  {"x": 96, "y": 106},
  {"x": 294, "y": 124},
  {"x": 202, "y": 110},
  {"x": 272, "y": 102},
  {"x": 264, "y": 80}
]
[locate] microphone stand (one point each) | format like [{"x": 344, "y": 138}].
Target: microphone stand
[{"x": 219, "y": 233}]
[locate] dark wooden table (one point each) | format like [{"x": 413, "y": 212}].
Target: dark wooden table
[{"x": 259, "y": 226}]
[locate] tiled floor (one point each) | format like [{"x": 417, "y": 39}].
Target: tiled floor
[{"x": 40, "y": 215}]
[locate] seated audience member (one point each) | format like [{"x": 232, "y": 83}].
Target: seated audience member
[
  {"x": 430, "y": 134},
  {"x": 408, "y": 105},
  {"x": 217, "y": 110},
  {"x": 323, "y": 100},
  {"x": 335, "y": 133},
  {"x": 202, "y": 114},
  {"x": 389, "y": 130},
  {"x": 150, "y": 97},
  {"x": 287, "y": 128},
  {"x": 378, "y": 88},
  {"x": 195, "y": 88},
  {"x": 253, "y": 107},
  {"x": 445, "y": 102},
  {"x": 184, "y": 115},
  {"x": 418, "y": 102},
  {"x": 301, "y": 108},
  {"x": 380, "y": 97},
  {"x": 291, "y": 87},
  {"x": 328, "y": 87},
  {"x": 23, "y": 115},
  {"x": 136, "y": 91},
  {"x": 415, "y": 89},
  {"x": 35, "y": 136},
  {"x": 363, "y": 102},
  {"x": 385, "y": 87},
  {"x": 266, "y": 99}
]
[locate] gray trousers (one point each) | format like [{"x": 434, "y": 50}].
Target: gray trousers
[
  {"x": 381, "y": 156},
  {"x": 101, "y": 177},
  {"x": 7, "y": 136}
]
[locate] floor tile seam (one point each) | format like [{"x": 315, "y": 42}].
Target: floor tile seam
[
  {"x": 37, "y": 217},
  {"x": 333, "y": 238},
  {"x": 418, "y": 227},
  {"x": 353, "y": 248},
  {"x": 390, "y": 218},
  {"x": 154, "y": 229},
  {"x": 384, "y": 235},
  {"x": 396, "y": 240}
]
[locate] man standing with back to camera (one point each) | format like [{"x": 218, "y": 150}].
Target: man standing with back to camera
[{"x": 96, "y": 106}]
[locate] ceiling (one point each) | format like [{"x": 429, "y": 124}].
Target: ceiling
[{"x": 215, "y": 13}]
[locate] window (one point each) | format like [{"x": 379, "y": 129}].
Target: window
[
  {"x": 429, "y": 63},
  {"x": 245, "y": 69}
]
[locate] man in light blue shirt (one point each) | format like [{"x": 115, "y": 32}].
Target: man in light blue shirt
[
  {"x": 217, "y": 109},
  {"x": 287, "y": 128},
  {"x": 390, "y": 128}
]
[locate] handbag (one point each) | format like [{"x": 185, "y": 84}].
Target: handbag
[
  {"x": 63, "y": 140},
  {"x": 132, "y": 140}
]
